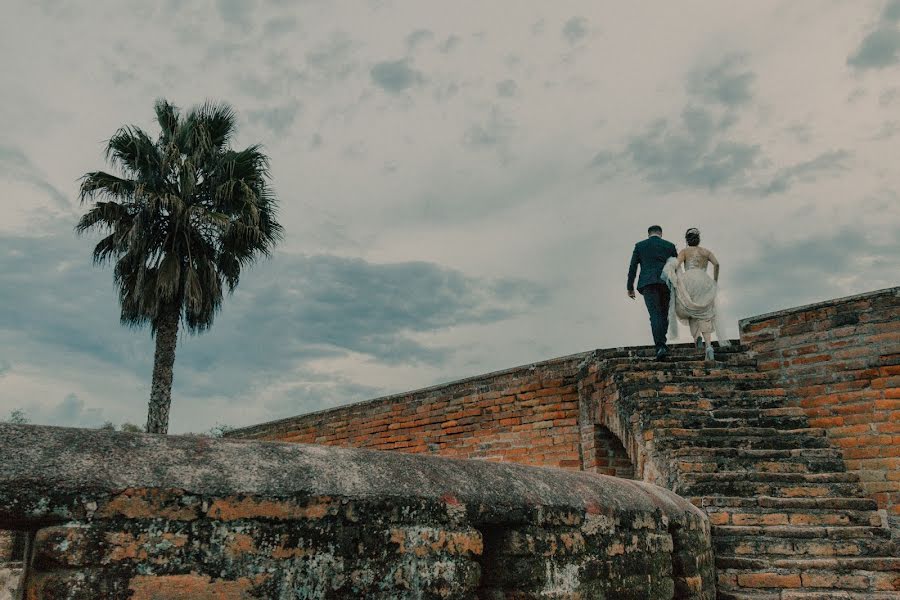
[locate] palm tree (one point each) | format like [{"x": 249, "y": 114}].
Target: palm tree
[{"x": 182, "y": 220}]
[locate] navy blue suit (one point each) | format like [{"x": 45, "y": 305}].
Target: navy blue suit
[{"x": 651, "y": 254}]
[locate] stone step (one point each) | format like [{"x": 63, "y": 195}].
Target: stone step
[
  {"x": 688, "y": 371},
  {"x": 692, "y": 397},
  {"x": 800, "y": 504},
  {"x": 868, "y": 577},
  {"x": 712, "y": 460},
  {"x": 819, "y": 533},
  {"x": 782, "y": 489},
  {"x": 807, "y": 541},
  {"x": 761, "y": 453},
  {"x": 806, "y": 532},
  {"x": 758, "y": 412},
  {"x": 780, "y": 478},
  {"x": 676, "y": 351},
  {"x": 804, "y": 595},
  {"x": 739, "y": 437},
  {"x": 720, "y": 394},
  {"x": 875, "y": 564},
  {"x": 710, "y": 421},
  {"x": 688, "y": 364},
  {"x": 730, "y": 407},
  {"x": 751, "y": 464},
  {"x": 816, "y": 432},
  {"x": 758, "y": 516},
  {"x": 768, "y": 511},
  {"x": 651, "y": 401},
  {"x": 719, "y": 382},
  {"x": 692, "y": 408},
  {"x": 787, "y": 520}
]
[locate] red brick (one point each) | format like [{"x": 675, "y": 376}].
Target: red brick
[
  {"x": 192, "y": 586},
  {"x": 768, "y": 580}
]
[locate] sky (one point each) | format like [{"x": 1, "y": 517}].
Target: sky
[{"x": 460, "y": 183}]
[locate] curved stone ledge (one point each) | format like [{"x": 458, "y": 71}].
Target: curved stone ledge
[
  {"x": 135, "y": 515},
  {"x": 52, "y": 467}
]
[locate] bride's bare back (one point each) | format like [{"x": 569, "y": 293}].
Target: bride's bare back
[{"x": 698, "y": 257}]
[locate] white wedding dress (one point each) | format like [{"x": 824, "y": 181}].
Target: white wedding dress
[{"x": 693, "y": 294}]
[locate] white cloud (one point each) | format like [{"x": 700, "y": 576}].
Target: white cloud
[{"x": 413, "y": 133}]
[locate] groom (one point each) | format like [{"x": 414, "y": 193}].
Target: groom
[{"x": 651, "y": 254}]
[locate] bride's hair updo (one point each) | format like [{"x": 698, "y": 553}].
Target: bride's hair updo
[{"x": 692, "y": 236}]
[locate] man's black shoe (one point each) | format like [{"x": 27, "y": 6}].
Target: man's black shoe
[{"x": 662, "y": 353}]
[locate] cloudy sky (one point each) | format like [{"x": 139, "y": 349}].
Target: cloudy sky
[{"x": 461, "y": 183}]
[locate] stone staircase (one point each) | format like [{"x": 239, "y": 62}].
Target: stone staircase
[{"x": 788, "y": 521}]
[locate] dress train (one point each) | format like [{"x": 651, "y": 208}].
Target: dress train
[{"x": 693, "y": 301}]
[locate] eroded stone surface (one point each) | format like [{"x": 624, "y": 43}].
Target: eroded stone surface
[
  {"x": 122, "y": 515},
  {"x": 10, "y": 575}
]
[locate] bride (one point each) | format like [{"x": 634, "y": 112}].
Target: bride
[{"x": 694, "y": 292}]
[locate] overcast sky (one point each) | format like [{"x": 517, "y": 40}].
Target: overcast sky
[{"x": 461, "y": 183}]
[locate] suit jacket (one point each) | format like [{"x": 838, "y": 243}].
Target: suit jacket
[{"x": 651, "y": 254}]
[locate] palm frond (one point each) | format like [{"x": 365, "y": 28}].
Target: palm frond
[
  {"x": 98, "y": 184},
  {"x": 217, "y": 120},
  {"x": 167, "y": 117},
  {"x": 106, "y": 214},
  {"x": 131, "y": 149},
  {"x": 193, "y": 289},
  {"x": 185, "y": 215},
  {"x": 168, "y": 278},
  {"x": 106, "y": 249}
]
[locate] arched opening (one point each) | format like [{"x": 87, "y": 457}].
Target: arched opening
[{"x": 610, "y": 456}]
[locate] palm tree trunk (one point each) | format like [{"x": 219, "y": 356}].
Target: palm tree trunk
[{"x": 163, "y": 364}]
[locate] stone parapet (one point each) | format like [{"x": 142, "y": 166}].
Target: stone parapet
[{"x": 120, "y": 515}]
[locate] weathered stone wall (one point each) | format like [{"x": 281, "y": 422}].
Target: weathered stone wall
[
  {"x": 527, "y": 415},
  {"x": 605, "y": 423},
  {"x": 841, "y": 359},
  {"x": 7, "y": 546},
  {"x": 119, "y": 515},
  {"x": 10, "y": 576},
  {"x": 11, "y": 551}
]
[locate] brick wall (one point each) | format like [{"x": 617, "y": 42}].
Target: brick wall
[
  {"x": 841, "y": 359},
  {"x": 126, "y": 515},
  {"x": 527, "y": 415},
  {"x": 609, "y": 444},
  {"x": 610, "y": 456}
]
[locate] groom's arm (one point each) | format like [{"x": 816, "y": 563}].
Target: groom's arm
[{"x": 632, "y": 271}]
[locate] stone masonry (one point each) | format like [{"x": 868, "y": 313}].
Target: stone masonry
[
  {"x": 841, "y": 361},
  {"x": 800, "y": 504},
  {"x": 788, "y": 442},
  {"x": 10, "y": 563},
  {"x": 118, "y": 515},
  {"x": 789, "y": 522}
]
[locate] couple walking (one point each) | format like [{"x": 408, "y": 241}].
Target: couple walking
[{"x": 662, "y": 280}]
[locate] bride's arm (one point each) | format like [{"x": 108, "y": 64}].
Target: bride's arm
[
  {"x": 681, "y": 257},
  {"x": 712, "y": 259}
]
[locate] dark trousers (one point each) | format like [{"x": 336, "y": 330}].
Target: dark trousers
[{"x": 656, "y": 297}]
